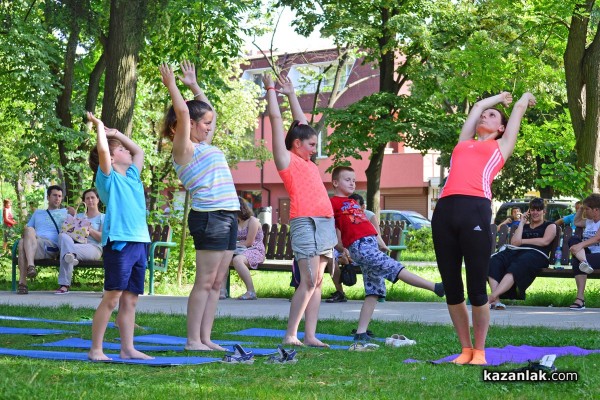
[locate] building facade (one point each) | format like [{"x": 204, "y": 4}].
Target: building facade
[{"x": 409, "y": 180}]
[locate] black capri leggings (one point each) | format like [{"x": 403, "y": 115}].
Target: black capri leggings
[{"x": 461, "y": 229}]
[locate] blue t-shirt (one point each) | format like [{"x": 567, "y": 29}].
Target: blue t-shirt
[
  {"x": 43, "y": 225},
  {"x": 570, "y": 220},
  {"x": 125, "y": 218},
  {"x": 97, "y": 222}
]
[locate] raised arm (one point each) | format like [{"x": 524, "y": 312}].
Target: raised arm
[
  {"x": 287, "y": 88},
  {"x": 280, "y": 153},
  {"x": 137, "y": 154},
  {"x": 579, "y": 220},
  {"x": 468, "y": 129},
  {"x": 102, "y": 144},
  {"x": 508, "y": 141},
  {"x": 189, "y": 79},
  {"x": 183, "y": 148}
]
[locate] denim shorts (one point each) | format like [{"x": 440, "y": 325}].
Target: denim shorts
[
  {"x": 376, "y": 266},
  {"x": 213, "y": 230},
  {"x": 125, "y": 269},
  {"x": 312, "y": 236}
]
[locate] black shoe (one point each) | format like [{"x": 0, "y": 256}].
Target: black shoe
[
  {"x": 337, "y": 297},
  {"x": 439, "y": 289},
  {"x": 369, "y": 333},
  {"x": 363, "y": 337}
]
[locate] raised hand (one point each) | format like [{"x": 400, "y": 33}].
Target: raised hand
[
  {"x": 267, "y": 80},
  {"x": 530, "y": 99},
  {"x": 506, "y": 98},
  {"x": 287, "y": 87},
  {"x": 188, "y": 70},
  {"x": 93, "y": 119},
  {"x": 167, "y": 74}
]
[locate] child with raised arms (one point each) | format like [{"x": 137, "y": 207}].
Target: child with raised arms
[
  {"x": 312, "y": 227},
  {"x": 118, "y": 162}
]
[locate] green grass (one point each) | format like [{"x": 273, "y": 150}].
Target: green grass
[
  {"x": 556, "y": 292},
  {"x": 319, "y": 374}
]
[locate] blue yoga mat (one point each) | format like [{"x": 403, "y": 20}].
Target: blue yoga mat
[
  {"x": 263, "y": 332},
  {"x": 31, "y": 331},
  {"x": 86, "y": 344},
  {"x": 70, "y": 356},
  {"x": 176, "y": 340},
  {"x": 519, "y": 354},
  {"x": 50, "y": 321}
]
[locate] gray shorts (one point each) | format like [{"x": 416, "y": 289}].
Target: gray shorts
[
  {"x": 312, "y": 236},
  {"x": 46, "y": 249}
]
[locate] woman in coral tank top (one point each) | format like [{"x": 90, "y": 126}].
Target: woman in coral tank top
[{"x": 461, "y": 220}]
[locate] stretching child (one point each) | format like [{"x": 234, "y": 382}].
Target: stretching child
[
  {"x": 118, "y": 162},
  {"x": 358, "y": 237},
  {"x": 312, "y": 227}
]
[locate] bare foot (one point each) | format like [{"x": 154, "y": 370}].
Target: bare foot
[
  {"x": 315, "y": 343},
  {"x": 98, "y": 355},
  {"x": 214, "y": 346},
  {"x": 134, "y": 354},
  {"x": 292, "y": 341},
  {"x": 196, "y": 346}
]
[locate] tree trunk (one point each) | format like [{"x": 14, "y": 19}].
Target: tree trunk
[
  {"x": 373, "y": 173},
  {"x": 583, "y": 88},
  {"x": 125, "y": 40}
]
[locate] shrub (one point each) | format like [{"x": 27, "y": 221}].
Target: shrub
[{"x": 419, "y": 240}]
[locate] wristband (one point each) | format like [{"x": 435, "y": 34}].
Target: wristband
[
  {"x": 197, "y": 95},
  {"x": 270, "y": 88}
]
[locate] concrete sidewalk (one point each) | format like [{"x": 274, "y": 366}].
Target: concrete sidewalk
[{"x": 427, "y": 313}]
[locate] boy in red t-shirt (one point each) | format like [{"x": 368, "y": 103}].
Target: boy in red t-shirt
[{"x": 357, "y": 238}]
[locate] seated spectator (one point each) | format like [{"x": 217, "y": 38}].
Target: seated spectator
[
  {"x": 569, "y": 220},
  {"x": 71, "y": 252},
  {"x": 513, "y": 220},
  {"x": 8, "y": 222},
  {"x": 513, "y": 269},
  {"x": 40, "y": 237},
  {"x": 585, "y": 249},
  {"x": 250, "y": 249}
]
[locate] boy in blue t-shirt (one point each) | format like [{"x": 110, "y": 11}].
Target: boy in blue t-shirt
[{"x": 119, "y": 162}]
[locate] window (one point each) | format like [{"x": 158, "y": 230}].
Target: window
[
  {"x": 306, "y": 77},
  {"x": 255, "y": 75}
]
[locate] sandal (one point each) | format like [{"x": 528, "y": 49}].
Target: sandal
[
  {"x": 576, "y": 306},
  {"x": 31, "y": 271},
  {"x": 22, "y": 289},
  {"x": 64, "y": 289},
  {"x": 248, "y": 296}
]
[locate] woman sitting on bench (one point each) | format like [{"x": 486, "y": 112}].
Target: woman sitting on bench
[{"x": 513, "y": 269}]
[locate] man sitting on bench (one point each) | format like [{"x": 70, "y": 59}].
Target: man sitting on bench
[
  {"x": 40, "y": 237},
  {"x": 514, "y": 267}
]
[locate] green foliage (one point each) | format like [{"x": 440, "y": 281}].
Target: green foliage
[{"x": 419, "y": 240}]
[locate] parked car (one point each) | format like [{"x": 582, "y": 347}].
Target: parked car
[
  {"x": 555, "y": 209},
  {"x": 413, "y": 219}
]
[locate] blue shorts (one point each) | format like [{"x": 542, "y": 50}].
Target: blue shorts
[
  {"x": 376, "y": 266},
  {"x": 125, "y": 269},
  {"x": 213, "y": 230}
]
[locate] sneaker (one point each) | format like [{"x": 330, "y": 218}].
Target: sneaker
[
  {"x": 283, "y": 356},
  {"x": 337, "y": 297},
  {"x": 585, "y": 267},
  {"x": 239, "y": 356},
  {"x": 438, "y": 289},
  {"x": 363, "y": 346},
  {"x": 370, "y": 334},
  {"x": 71, "y": 259},
  {"x": 399, "y": 341},
  {"x": 62, "y": 290}
]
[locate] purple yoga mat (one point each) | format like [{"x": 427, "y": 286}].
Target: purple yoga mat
[{"x": 519, "y": 354}]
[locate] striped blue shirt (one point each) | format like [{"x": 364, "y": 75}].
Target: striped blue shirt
[{"x": 208, "y": 178}]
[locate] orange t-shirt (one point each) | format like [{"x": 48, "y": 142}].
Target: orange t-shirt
[
  {"x": 473, "y": 167},
  {"x": 308, "y": 196}
]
